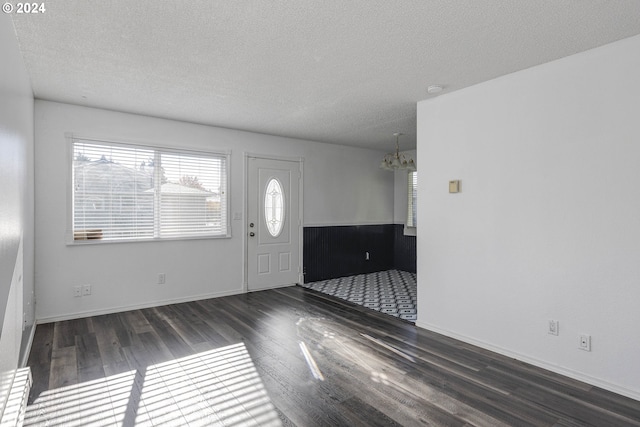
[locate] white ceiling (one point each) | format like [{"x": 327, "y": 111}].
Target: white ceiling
[{"x": 340, "y": 71}]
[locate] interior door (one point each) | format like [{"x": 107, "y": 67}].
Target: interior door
[{"x": 273, "y": 223}]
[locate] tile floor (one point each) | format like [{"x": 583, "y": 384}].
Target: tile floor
[{"x": 392, "y": 292}]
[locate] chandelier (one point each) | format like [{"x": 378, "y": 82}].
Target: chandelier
[{"x": 397, "y": 161}]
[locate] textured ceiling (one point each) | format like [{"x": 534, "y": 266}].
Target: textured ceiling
[{"x": 340, "y": 71}]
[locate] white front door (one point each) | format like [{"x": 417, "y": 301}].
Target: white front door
[{"x": 273, "y": 223}]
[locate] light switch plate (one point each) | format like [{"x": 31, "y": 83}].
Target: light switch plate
[{"x": 454, "y": 186}]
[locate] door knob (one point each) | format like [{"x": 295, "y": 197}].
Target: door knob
[{"x": 252, "y": 234}]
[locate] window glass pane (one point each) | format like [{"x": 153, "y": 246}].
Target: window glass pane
[
  {"x": 274, "y": 207},
  {"x": 412, "y": 215},
  {"x": 123, "y": 192},
  {"x": 112, "y": 192},
  {"x": 191, "y": 201}
]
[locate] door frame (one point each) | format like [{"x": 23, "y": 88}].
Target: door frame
[{"x": 245, "y": 228}]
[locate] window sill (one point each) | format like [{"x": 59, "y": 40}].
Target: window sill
[
  {"x": 91, "y": 242},
  {"x": 410, "y": 231}
]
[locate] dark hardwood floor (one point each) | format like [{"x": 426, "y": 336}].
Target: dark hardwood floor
[{"x": 291, "y": 356}]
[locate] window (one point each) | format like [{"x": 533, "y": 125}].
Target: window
[
  {"x": 412, "y": 207},
  {"x": 274, "y": 207},
  {"x": 128, "y": 192}
]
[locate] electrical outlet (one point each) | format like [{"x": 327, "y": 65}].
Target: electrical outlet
[
  {"x": 554, "y": 327},
  {"x": 162, "y": 278},
  {"x": 77, "y": 291},
  {"x": 86, "y": 290},
  {"x": 585, "y": 342}
]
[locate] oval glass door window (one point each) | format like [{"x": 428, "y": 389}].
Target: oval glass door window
[{"x": 274, "y": 207}]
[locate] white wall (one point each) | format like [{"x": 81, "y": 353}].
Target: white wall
[
  {"x": 547, "y": 225},
  {"x": 342, "y": 185},
  {"x": 16, "y": 203}
]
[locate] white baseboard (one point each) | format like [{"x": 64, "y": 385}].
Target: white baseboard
[
  {"x": 27, "y": 351},
  {"x": 272, "y": 287},
  {"x": 633, "y": 394},
  {"x": 120, "y": 309}
]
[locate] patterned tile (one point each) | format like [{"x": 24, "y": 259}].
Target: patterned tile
[{"x": 392, "y": 292}]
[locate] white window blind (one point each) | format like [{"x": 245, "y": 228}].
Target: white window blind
[
  {"x": 412, "y": 217},
  {"x": 128, "y": 192}
]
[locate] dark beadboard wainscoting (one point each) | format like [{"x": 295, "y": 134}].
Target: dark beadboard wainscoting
[
  {"x": 337, "y": 251},
  {"x": 404, "y": 250}
]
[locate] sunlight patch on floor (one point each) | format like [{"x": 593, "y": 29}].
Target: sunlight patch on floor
[
  {"x": 313, "y": 367},
  {"x": 217, "y": 387}
]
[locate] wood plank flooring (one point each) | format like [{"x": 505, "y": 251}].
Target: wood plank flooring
[{"x": 291, "y": 357}]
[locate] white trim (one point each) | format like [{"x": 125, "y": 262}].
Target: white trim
[
  {"x": 144, "y": 144},
  {"x": 273, "y": 157},
  {"x": 151, "y": 239},
  {"x": 271, "y": 287},
  {"x": 68, "y": 234},
  {"x": 227, "y": 188},
  {"x": 158, "y": 150},
  {"x": 245, "y": 240},
  {"x": 343, "y": 224},
  {"x": 410, "y": 231},
  {"x": 633, "y": 394},
  {"x": 301, "y": 222},
  {"x": 27, "y": 350},
  {"x": 245, "y": 212},
  {"x": 112, "y": 310}
]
